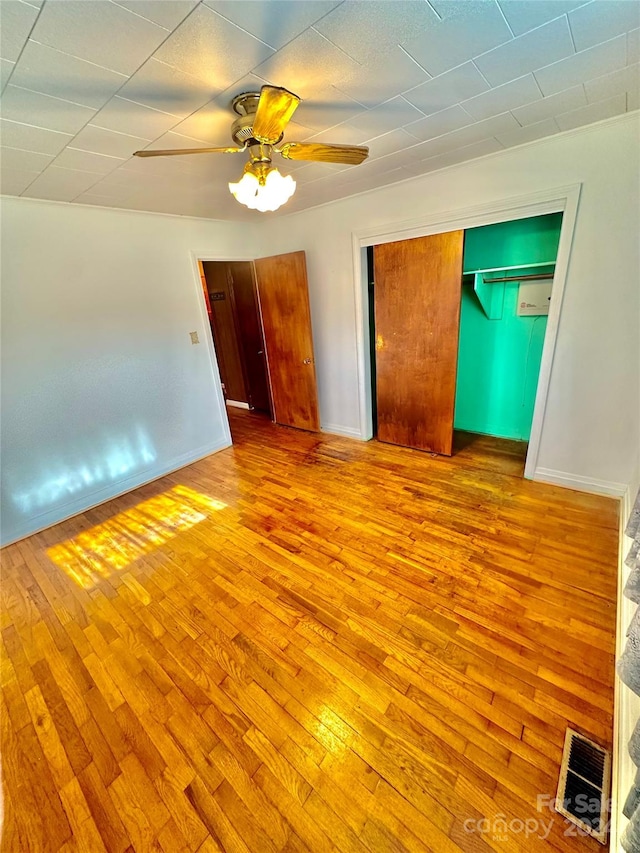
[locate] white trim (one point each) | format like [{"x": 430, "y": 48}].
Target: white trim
[
  {"x": 551, "y": 334},
  {"x": 554, "y": 200},
  {"x": 115, "y": 490},
  {"x": 238, "y": 404},
  {"x": 626, "y": 705},
  {"x": 581, "y": 484},
  {"x": 196, "y": 257},
  {"x": 348, "y": 432}
]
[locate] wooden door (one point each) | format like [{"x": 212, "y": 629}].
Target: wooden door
[
  {"x": 245, "y": 301},
  {"x": 223, "y": 327},
  {"x": 417, "y": 292},
  {"x": 286, "y": 323}
]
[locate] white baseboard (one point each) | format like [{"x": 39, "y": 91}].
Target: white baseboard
[
  {"x": 238, "y": 404},
  {"x": 581, "y": 484},
  {"x": 348, "y": 432},
  {"x": 114, "y": 490}
]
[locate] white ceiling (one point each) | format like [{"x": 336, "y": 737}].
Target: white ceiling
[{"x": 423, "y": 83}]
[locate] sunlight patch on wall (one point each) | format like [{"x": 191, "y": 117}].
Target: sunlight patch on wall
[{"x": 111, "y": 546}]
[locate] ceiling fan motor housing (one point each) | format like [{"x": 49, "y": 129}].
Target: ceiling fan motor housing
[{"x": 245, "y": 106}]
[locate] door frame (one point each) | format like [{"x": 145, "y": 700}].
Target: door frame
[
  {"x": 563, "y": 200},
  {"x": 196, "y": 258}
]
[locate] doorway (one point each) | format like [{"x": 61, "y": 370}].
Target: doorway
[
  {"x": 260, "y": 324},
  {"x": 457, "y": 324},
  {"x": 234, "y": 317}
]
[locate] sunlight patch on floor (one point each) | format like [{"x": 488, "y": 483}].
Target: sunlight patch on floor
[{"x": 113, "y": 545}]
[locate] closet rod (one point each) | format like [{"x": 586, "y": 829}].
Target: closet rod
[{"x": 517, "y": 278}]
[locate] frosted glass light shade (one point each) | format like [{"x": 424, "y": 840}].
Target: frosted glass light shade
[{"x": 272, "y": 194}]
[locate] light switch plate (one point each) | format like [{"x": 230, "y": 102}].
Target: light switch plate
[{"x": 194, "y": 337}]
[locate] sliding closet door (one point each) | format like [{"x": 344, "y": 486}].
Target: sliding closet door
[{"x": 417, "y": 312}]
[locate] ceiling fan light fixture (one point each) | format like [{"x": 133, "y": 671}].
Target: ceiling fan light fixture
[{"x": 263, "y": 192}]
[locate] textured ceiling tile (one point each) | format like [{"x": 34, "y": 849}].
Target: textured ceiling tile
[
  {"x": 135, "y": 119},
  {"x": 31, "y": 161},
  {"x": 60, "y": 184},
  {"x": 109, "y": 142},
  {"x": 16, "y": 20},
  {"x": 602, "y": 20},
  {"x": 437, "y": 124},
  {"x": 211, "y": 123},
  {"x": 468, "y": 135},
  {"x": 568, "y": 99},
  {"x": 524, "y": 90},
  {"x": 151, "y": 170},
  {"x": 367, "y": 85},
  {"x": 470, "y": 29},
  {"x": 524, "y": 15},
  {"x": 625, "y": 80},
  {"x": 43, "y": 110},
  {"x": 599, "y": 60},
  {"x": 393, "y": 114},
  {"x": 171, "y": 139},
  {"x": 276, "y": 22},
  {"x": 307, "y": 64},
  {"x": 6, "y": 67},
  {"x": 46, "y": 70},
  {"x": 209, "y": 47},
  {"x": 86, "y": 161},
  {"x": 327, "y": 108},
  {"x": 594, "y": 112},
  {"x": 167, "y": 13},
  {"x": 520, "y": 135},
  {"x": 15, "y": 181},
  {"x": 98, "y": 31},
  {"x": 389, "y": 143},
  {"x": 167, "y": 89},
  {"x": 343, "y": 134},
  {"x": 29, "y": 138},
  {"x": 540, "y": 47},
  {"x": 459, "y": 155},
  {"x": 315, "y": 171},
  {"x": 447, "y": 89},
  {"x": 361, "y": 31}
]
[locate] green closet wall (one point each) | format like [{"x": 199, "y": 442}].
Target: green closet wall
[{"x": 499, "y": 360}]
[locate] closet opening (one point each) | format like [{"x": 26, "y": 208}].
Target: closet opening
[{"x": 457, "y": 325}]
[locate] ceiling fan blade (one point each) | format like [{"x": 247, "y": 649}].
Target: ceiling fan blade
[
  {"x": 352, "y": 154},
  {"x": 275, "y": 108},
  {"x": 172, "y": 151}
]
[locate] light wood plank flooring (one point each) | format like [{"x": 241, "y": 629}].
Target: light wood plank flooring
[{"x": 308, "y": 643}]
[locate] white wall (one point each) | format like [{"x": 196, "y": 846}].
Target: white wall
[
  {"x": 591, "y": 425},
  {"x": 102, "y": 389}
]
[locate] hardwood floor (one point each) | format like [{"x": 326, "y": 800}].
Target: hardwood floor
[{"x": 308, "y": 643}]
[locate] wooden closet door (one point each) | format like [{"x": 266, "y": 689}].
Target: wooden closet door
[
  {"x": 417, "y": 294},
  {"x": 286, "y": 324}
]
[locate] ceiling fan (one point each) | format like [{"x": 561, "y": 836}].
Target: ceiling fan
[{"x": 259, "y": 128}]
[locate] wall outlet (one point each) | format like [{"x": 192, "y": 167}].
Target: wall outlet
[{"x": 194, "y": 337}]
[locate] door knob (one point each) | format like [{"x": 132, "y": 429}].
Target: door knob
[
  {"x": 259, "y": 352},
  {"x": 307, "y": 361}
]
